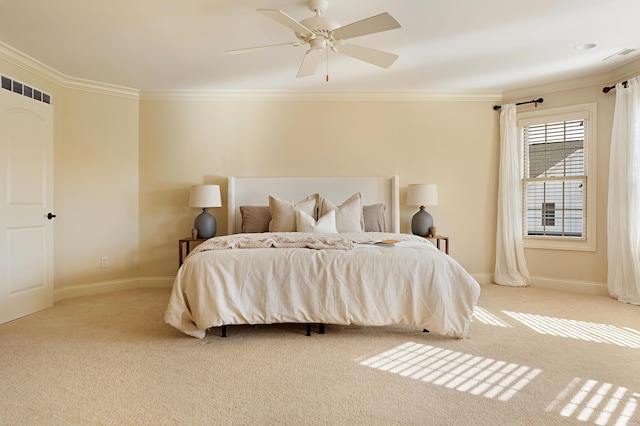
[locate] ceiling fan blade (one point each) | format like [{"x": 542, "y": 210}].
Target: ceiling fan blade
[
  {"x": 287, "y": 21},
  {"x": 309, "y": 63},
  {"x": 374, "y": 24},
  {"x": 253, "y": 49},
  {"x": 367, "y": 54}
]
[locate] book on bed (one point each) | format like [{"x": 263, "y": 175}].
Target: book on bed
[{"x": 385, "y": 243}]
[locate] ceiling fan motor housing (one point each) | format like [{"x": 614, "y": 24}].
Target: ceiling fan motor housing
[{"x": 320, "y": 26}]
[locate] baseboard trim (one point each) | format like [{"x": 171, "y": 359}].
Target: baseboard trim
[
  {"x": 571, "y": 286},
  {"x": 156, "y": 282},
  {"x": 110, "y": 286},
  {"x": 483, "y": 278},
  {"x": 95, "y": 288}
]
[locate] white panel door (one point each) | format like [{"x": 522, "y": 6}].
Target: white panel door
[{"x": 26, "y": 199}]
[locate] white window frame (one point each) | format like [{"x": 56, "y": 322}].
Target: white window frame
[{"x": 587, "y": 111}]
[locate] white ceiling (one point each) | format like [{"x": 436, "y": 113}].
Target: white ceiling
[{"x": 443, "y": 45}]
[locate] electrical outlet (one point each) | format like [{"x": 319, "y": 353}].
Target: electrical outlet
[{"x": 104, "y": 262}]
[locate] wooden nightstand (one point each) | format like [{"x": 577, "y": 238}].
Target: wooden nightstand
[
  {"x": 181, "y": 245},
  {"x": 443, "y": 238}
]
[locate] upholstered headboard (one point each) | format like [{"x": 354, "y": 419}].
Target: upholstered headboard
[{"x": 255, "y": 191}]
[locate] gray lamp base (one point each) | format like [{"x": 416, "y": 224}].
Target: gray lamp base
[
  {"x": 421, "y": 223},
  {"x": 205, "y": 224}
]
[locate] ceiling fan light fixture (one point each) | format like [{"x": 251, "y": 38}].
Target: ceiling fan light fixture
[{"x": 318, "y": 43}]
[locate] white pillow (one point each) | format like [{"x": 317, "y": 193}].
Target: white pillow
[
  {"x": 283, "y": 213},
  {"x": 325, "y": 225},
  {"x": 348, "y": 215}
]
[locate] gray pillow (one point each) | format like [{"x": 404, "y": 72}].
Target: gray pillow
[
  {"x": 255, "y": 218},
  {"x": 374, "y": 218}
]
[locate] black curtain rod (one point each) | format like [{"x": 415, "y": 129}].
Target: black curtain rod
[
  {"x": 608, "y": 89},
  {"x": 532, "y": 101}
]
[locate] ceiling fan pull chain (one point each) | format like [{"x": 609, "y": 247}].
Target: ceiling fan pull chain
[{"x": 327, "y": 77}]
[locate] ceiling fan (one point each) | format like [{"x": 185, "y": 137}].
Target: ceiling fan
[{"x": 320, "y": 32}]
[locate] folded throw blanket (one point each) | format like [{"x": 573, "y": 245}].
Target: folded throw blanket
[{"x": 298, "y": 240}]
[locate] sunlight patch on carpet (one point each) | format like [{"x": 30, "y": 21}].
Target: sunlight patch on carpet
[
  {"x": 488, "y": 318},
  {"x": 582, "y": 330},
  {"x": 600, "y": 403},
  {"x": 476, "y": 375}
]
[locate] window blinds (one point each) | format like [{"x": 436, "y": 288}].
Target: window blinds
[{"x": 555, "y": 179}]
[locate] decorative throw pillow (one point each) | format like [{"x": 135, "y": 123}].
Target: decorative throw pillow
[
  {"x": 255, "y": 218},
  {"x": 283, "y": 213},
  {"x": 325, "y": 225},
  {"x": 374, "y": 218},
  {"x": 348, "y": 214}
]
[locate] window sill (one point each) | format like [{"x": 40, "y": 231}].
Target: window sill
[{"x": 551, "y": 243}]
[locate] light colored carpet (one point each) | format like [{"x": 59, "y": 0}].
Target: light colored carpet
[{"x": 110, "y": 359}]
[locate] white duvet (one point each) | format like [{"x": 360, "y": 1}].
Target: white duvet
[{"x": 412, "y": 283}]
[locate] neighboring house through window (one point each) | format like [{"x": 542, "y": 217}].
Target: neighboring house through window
[{"x": 558, "y": 177}]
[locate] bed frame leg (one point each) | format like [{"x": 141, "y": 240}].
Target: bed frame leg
[
  {"x": 308, "y": 329},
  {"x": 224, "y": 330},
  {"x": 321, "y": 329}
]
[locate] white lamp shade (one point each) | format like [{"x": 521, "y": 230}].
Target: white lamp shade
[
  {"x": 204, "y": 196},
  {"x": 422, "y": 194}
]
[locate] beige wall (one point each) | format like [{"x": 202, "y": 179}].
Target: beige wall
[
  {"x": 123, "y": 167},
  {"x": 98, "y": 174},
  {"x": 186, "y": 142}
]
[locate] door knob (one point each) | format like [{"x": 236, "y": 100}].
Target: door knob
[{"x": 51, "y": 216}]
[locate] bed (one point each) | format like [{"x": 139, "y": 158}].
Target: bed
[{"x": 295, "y": 253}]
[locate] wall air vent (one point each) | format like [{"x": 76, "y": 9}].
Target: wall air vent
[{"x": 24, "y": 90}]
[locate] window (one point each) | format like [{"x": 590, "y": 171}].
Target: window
[
  {"x": 558, "y": 177},
  {"x": 548, "y": 215}
]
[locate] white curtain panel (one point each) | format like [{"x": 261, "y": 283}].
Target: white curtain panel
[
  {"x": 511, "y": 267},
  {"x": 623, "y": 223}
]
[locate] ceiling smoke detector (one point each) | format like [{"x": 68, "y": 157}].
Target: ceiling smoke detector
[{"x": 586, "y": 46}]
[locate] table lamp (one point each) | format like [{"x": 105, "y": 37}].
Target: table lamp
[
  {"x": 422, "y": 195},
  {"x": 204, "y": 197}
]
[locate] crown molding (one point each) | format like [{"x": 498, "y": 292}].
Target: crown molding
[
  {"x": 100, "y": 88},
  {"x": 558, "y": 86},
  {"x": 30, "y": 64},
  {"x": 173, "y": 95},
  {"x": 41, "y": 70},
  {"x": 620, "y": 73},
  {"x": 624, "y": 72}
]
